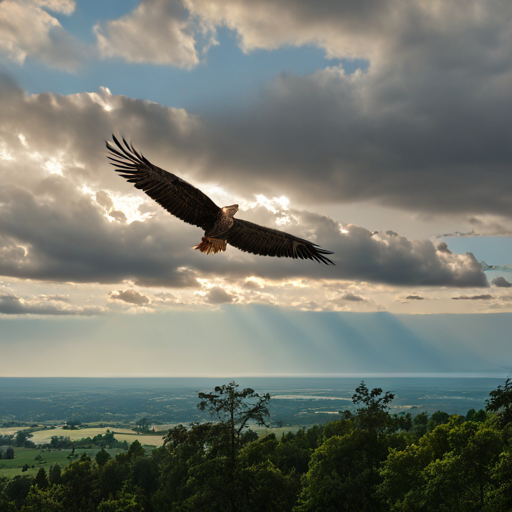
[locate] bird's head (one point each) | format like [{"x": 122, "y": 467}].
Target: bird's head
[{"x": 230, "y": 210}]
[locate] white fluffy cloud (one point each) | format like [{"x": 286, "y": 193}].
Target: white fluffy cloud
[
  {"x": 28, "y": 31},
  {"x": 157, "y": 31},
  {"x": 378, "y": 30}
]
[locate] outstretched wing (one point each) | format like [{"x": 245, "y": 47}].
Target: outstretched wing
[
  {"x": 176, "y": 195},
  {"x": 263, "y": 241}
]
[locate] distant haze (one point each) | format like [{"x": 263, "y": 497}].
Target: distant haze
[{"x": 257, "y": 341}]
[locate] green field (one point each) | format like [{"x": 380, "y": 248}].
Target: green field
[
  {"x": 9, "y": 431},
  {"x": 22, "y": 456},
  {"x": 121, "y": 434},
  {"x": 11, "y": 468},
  {"x": 278, "y": 431}
]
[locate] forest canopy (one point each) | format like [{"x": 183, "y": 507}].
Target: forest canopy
[{"x": 367, "y": 460}]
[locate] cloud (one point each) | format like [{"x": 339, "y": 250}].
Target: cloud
[
  {"x": 443, "y": 247},
  {"x": 348, "y": 29},
  {"x": 370, "y": 29},
  {"x": 251, "y": 284},
  {"x": 63, "y": 6},
  {"x": 156, "y": 31},
  {"x": 473, "y": 297},
  {"x": 219, "y": 296},
  {"x": 11, "y": 304},
  {"x": 130, "y": 296},
  {"x": 352, "y": 297},
  {"x": 98, "y": 228},
  {"x": 425, "y": 118},
  {"x": 501, "y": 282},
  {"x": 165, "y": 298},
  {"x": 414, "y": 297},
  {"x": 340, "y": 138},
  {"x": 28, "y": 31}
]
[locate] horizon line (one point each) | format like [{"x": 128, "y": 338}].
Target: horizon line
[{"x": 433, "y": 375}]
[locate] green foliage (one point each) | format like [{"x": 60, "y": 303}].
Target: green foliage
[
  {"x": 438, "y": 418},
  {"x": 343, "y": 473},
  {"x": 403, "y": 421},
  {"x": 102, "y": 457},
  {"x": 20, "y": 438},
  {"x": 78, "y": 485},
  {"x": 72, "y": 424},
  {"x": 264, "y": 487},
  {"x": 234, "y": 409},
  {"x": 60, "y": 442},
  {"x": 125, "y": 501},
  {"x": 43, "y": 500},
  {"x": 501, "y": 402},
  {"x": 368, "y": 461},
  {"x": 41, "y": 480},
  {"x": 477, "y": 416},
  {"x": 142, "y": 424},
  {"x": 18, "y": 488},
  {"x": 420, "y": 424},
  {"x": 451, "y": 469},
  {"x": 373, "y": 415}
]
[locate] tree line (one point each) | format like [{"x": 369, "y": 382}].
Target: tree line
[{"x": 366, "y": 461}]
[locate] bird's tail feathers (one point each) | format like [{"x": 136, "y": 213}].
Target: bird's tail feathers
[{"x": 211, "y": 245}]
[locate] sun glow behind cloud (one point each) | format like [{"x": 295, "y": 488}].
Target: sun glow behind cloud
[
  {"x": 116, "y": 203},
  {"x": 54, "y": 166}
]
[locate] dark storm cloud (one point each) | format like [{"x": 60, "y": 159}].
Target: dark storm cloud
[
  {"x": 318, "y": 139},
  {"x": 219, "y": 296},
  {"x": 443, "y": 247},
  {"x": 54, "y": 232},
  {"x": 61, "y": 235},
  {"x": 51, "y": 230},
  {"x": 352, "y": 297},
  {"x": 428, "y": 117},
  {"x": 473, "y": 297},
  {"x": 501, "y": 282}
]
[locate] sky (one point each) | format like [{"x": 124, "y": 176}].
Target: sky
[{"x": 378, "y": 129}]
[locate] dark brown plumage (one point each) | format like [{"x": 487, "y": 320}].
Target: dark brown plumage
[{"x": 189, "y": 204}]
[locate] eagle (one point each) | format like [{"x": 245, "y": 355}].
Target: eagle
[{"x": 189, "y": 204}]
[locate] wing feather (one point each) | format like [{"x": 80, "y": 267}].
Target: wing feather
[
  {"x": 256, "y": 239},
  {"x": 178, "y": 197}
]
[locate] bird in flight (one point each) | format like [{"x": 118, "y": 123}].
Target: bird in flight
[{"x": 189, "y": 204}]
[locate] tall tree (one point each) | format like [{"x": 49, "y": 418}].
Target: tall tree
[
  {"x": 235, "y": 409},
  {"x": 55, "y": 475},
  {"x": 373, "y": 416},
  {"x": 41, "y": 479},
  {"x": 102, "y": 457},
  {"x": 501, "y": 402}
]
